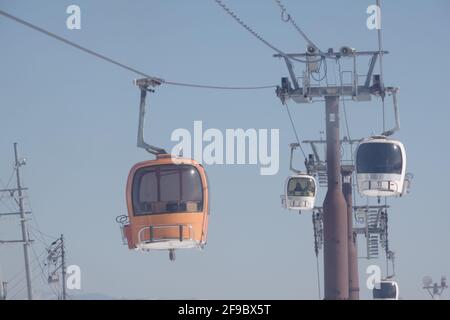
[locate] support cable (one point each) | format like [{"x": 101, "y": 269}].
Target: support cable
[
  {"x": 286, "y": 17},
  {"x": 124, "y": 66},
  {"x": 257, "y": 35},
  {"x": 295, "y": 131},
  {"x": 315, "y": 217},
  {"x": 380, "y": 54},
  {"x": 318, "y": 277}
]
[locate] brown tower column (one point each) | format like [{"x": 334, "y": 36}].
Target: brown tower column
[
  {"x": 335, "y": 211},
  {"x": 353, "y": 280}
]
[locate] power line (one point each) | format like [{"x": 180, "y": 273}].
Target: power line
[
  {"x": 286, "y": 17},
  {"x": 3, "y": 195},
  {"x": 14, "y": 277},
  {"x": 11, "y": 288},
  {"x": 42, "y": 272},
  {"x": 43, "y": 234},
  {"x": 124, "y": 66},
  {"x": 38, "y": 228},
  {"x": 35, "y": 268},
  {"x": 201, "y": 86},
  {"x": 36, "y": 276}
]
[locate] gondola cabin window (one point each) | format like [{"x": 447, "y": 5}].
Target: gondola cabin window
[
  {"x": 167, "y": 189},
  {"x": 301, "y": 187},
  {"x": 379, "y": 158}
]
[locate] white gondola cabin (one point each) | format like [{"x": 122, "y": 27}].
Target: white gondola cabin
[
  {"x": 300, "y": 192},
  {"x": 380, "y": 167},
  {"x": 385, "y": 290}
]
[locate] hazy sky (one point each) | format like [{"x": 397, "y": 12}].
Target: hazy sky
[{"x": 75, "y": 118}]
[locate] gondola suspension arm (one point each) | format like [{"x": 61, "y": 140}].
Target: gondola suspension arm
[
  {"x": 144, "y": 85},
  {"x": 394, "y": 92},
  {"x": 291, "y": 166}
]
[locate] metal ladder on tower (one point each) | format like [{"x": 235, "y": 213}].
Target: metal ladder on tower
[
  {"x": 322, "y": 178},
  {"x": 372, "y": 235}
]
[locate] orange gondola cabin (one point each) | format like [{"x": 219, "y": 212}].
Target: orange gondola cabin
[
  {"x": 167, "y": 198},
  {"x": 167, "y": 201}
]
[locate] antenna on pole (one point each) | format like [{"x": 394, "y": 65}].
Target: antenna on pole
[{"x": 434, "y": 289}]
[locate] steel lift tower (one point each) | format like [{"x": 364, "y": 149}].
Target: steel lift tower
[{"x": 340, "y": 260}]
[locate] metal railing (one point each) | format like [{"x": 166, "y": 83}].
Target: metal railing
[{"x": 151, "y": 239}]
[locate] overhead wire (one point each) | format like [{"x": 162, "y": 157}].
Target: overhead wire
[
  {"x": 295, "y": 131},
  {"x": 380, "y": 54},
  {"x": 4, "y": 194},
  {"x": 260, "y": 38},
  {"x": 124, "y": 66},
  {"x": 347, "y": 127},
  {"x": 286, "y": 17},
  {"x": 17, "y": 294},
  {"x": 34, "y": 267},
  {"x": 11, "y": 288},
  {"x": 343, "y": 102},
  {"x": 36, "y": 222},
  {"x": 318, "y": 277},
  {"x": 315, "y": 216},
  {"x": 255, "y": 34},
  {"x": 15, "y": 276},
  {"x": 42, "y": 272},
  {"x": 27, "y": 202}
]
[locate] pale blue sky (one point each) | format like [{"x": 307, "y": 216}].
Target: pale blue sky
[{"x": 75, "y": 118}]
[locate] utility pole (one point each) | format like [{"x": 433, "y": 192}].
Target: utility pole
[
  {"x": 23, "y": 223},
  {"x": 3, "y": 290},
  {"x": 435, "y": 290},
  {"x": 3, "y": 287},
  {"x": 63, "y": 268},
  {"x": 56, "y": 261},
  {"x": 334, "y": 211},
  {"x": 353, "y": 274},
  {"x": 23, "y": 220}
]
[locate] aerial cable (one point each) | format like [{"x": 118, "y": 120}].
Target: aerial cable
[
  {"x": 20, "y": 280},
  {"x": 318, "y": 276},
  {"x": 380, "y": 53},
  {"x": 343, "y": 102},
  {"x": 295, "y": 131},
  {"x": 286, "y": 17},
  {"x": 315, "y": 215},
  {"x": 19, "y": 291},
  {"x": 256, "y": 35},
  {"x": 124, "y": 66},
  {"x": 201, "y": 86}
]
